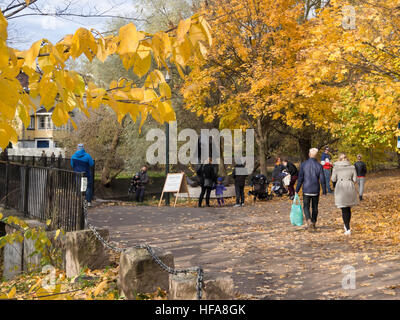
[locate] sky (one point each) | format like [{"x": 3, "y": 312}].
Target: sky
[{"x": 25, "y": 30}]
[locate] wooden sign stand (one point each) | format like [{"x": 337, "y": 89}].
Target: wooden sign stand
[{"x": 175, "y": 182}]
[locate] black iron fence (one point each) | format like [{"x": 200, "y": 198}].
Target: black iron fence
[
  {"x": 43, "y": 193},
  {"x": 51, "y": 162}
]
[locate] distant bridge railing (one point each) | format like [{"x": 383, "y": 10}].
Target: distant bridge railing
[
  {"x": 43, "y": 193},
  {"x": 52, "y": 162}
]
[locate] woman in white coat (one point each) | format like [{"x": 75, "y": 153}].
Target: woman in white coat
[{"x": 345, "y": 176}]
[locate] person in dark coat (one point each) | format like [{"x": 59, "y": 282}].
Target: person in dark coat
[
  {"x": 81, "y": 161},
  {"x": 294, "y": 173},
  {"x": 311, "y": 176},
  {"x": 279, "y": 167},
  {"x": 43, "y": 158},
  {"x": 207, "y": 177},
  {"x": 142, "y": 181},
  {"x": 361, "y": 169},
  {"x": 240, "y": 181},
  {"x": 326, "y": 162}
]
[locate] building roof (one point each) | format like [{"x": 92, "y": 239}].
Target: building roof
[{"x": 43, "y": 110}]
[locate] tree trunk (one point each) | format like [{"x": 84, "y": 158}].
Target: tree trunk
[
  {"x": 262, "y": 143},
  {"x": 305, "y": 146},
  {"x": 221, "y": 166},
  {"x": 106, "y": 172},
  {"x": 398, "y": 160}
]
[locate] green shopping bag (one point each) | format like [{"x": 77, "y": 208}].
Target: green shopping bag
[{"x": 296, "y": 214}]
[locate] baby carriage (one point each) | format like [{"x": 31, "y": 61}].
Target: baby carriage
[
  {"x": 260, "y": 188},
  {"x": 279, "y": 185}
]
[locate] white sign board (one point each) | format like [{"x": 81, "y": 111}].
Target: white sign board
[
  {"x": 83, "y": 184},
  {"x": 173, "y": 182},
  {"x": 398, "y": 143}
]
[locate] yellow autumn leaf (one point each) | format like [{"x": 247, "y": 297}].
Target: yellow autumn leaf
[
  {"x": 102, "y": 53},
  {"x": 166, "y": 111},
  {"x": 100, "y": 288},
  {"x": 31, "y": 55},
  {"x": 129, "y": 39},
  {"x": 137, "y": 94},
  {"x": 165, "y": 90},
  {"x": 143, "y": 51},
  {"x": 4, "y": 54},
  {"x": 141, "y": 66},
  {"x": 183, "y": 28},
  {"x": 12, "y": 293},
  {"x": 83, "y": 42},
  {"x": 48, "y": 93}
]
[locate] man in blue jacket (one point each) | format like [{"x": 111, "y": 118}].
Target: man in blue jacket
[
  {"x": 310, "y": 177},
  {"x": 81, "y": 161}
]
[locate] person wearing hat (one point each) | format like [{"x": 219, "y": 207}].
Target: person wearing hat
[
  {"x": 219, "y": 191},
  {"x": 81, "y": 161},
  {"x": 326, "y": 162}
]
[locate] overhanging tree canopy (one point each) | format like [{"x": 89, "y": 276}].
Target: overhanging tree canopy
[{"x": 45, "y": 64}]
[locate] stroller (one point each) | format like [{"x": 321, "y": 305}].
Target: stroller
[
  {"x": 260, "y": 188},
  {"x": 279, "y": 185}
]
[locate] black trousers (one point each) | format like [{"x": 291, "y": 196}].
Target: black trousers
[
  {"x": 239, "y": 190},
  {"x": 207, "y": 192},
  {"x": 313, "y": 201},
  {"x": 346, "y": 215},
  {"x": 139, "y": 196}
]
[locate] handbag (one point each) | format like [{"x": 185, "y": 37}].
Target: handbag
[
  {"x": 208, "y": 182},
  {"x": 296, "y": 213}
]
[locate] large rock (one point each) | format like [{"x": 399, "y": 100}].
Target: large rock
[
  {"x": 13, "y": 253},
  {"x": 31, "y": 258},
  {"x": 83, "y": 249},
  {"x": 139, "y": 273},
  {"x": 183, "y": 287}
]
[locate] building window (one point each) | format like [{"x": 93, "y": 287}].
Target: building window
[
  {"x": 42, "y": 123},
  {"x": 32, "y": 123},
  {"x": 49, "y": 123},
  {"x": 42, "y": 144},
  {"x": 45, "y": 123}
]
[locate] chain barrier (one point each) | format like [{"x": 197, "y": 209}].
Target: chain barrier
[{"x": 198, "y": 270}]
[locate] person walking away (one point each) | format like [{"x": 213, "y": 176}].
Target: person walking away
[
  {"x": 345, "y": 176},
  {"x": 60, "y": 157},
  {"x": 81, "y": 161},
  {"x": 361, "y": 169},
  {"x": 52, "y": 159},
  {"x": 294, "y": 173},
  {"x": 207, "y": 179},
  {"x": 311, "y": 177},
  {"x": 326, "y": 162},
  {"x": 219, "y": 191},
  {"x": 240, "y": 181},
  {"x": 43, "y": 158},
  {"x": 142, "y": 181}
]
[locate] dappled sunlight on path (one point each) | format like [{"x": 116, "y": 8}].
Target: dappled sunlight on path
[{"x": 269, "y": 258}]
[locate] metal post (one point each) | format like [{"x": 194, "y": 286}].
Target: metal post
[
  {"x": 7, "y": 183},
  {"x": 167, "y": 159},
  {"x": 83, "y": 207},
  {"x": 26, "y": 190}
]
